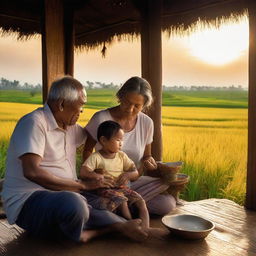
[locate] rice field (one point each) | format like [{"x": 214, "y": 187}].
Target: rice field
[{"x": 212, "y": 143}]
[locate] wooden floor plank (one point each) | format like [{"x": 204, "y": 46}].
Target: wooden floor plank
[
  {"x": 234, "y": 235},
  {"x": 234, "y": 224}
]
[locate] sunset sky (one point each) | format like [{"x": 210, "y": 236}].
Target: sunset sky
[{"x": 207, "y": 57}]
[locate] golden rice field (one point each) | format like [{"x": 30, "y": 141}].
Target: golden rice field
[{"x": 212, "y": 143}]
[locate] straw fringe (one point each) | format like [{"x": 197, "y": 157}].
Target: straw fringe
[{"x": 100, "y": 23}]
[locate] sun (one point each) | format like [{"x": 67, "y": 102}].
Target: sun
[{"x": 220, "y": 46}]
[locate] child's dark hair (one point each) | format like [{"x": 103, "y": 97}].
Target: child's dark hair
[{"x": 108, "y": 129}]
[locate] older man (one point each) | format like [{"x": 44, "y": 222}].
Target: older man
[{"x": 41, "y": 191}]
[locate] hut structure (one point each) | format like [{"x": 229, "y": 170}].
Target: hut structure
[{"x": 68, "y": 24}]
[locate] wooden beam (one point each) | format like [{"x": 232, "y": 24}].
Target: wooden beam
[
  {"x": 57, "y": 42},
  {"x": 151, "y": 66},
  {"x": 69, "y": 37},
  {"x": 251, "y": 164},
  {"x": 52, "y": 43}
]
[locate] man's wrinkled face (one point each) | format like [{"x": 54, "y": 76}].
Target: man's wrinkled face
[{"x": 72, "y": 110}]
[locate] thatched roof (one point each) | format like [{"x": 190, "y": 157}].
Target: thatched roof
[{"x": 99, "y": 21}]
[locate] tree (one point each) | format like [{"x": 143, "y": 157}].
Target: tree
[{"x": 15, "y": 84}]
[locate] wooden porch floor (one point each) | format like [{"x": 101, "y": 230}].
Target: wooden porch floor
[{"x": 235, "y": 234}]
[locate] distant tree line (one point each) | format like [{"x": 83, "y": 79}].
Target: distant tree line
[
  {"x": 204, "y": 88},
  {"x": 99, "y": 85},
  {"x": 6, "y": 84}
]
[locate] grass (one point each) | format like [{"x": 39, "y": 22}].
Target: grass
[
  {"x": 3, "y": 151},
  {"x": 98, "y": 99},
  {"x": 215, "y": 99},
  {"x": 20, "y": 97},
  {"x": 212, "y": 143}
]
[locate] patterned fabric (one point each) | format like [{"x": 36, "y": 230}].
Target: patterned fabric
[
  {"x": 110, "y": 199},
  {"x": 149, "y": 187},
  {"x": 135, "y": 140}
]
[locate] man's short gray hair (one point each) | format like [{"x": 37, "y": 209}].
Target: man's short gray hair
[
  {"x": 66, "y": 88},
  {"x": 137, "y": 85}
]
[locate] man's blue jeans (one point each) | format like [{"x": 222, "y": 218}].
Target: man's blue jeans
[{"x": 62, "y": 213}]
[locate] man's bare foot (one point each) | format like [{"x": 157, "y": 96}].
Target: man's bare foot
[
  {"x": 133, "y": 230},
  {"x": 159, "y": 233},
  {"x": 87, "y": 235}
]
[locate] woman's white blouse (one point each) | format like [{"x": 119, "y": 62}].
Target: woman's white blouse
[{"x": 135, "y": 140}]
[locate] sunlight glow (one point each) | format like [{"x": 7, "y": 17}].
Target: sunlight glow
[{"x": 220, "y": 46}]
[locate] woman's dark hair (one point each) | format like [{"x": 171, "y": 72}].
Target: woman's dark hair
[{"x": 108, "y": 129}]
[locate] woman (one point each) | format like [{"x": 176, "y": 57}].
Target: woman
[{"x": 134, "y": 97}]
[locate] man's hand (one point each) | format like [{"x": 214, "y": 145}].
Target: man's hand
[
  {"x": 99, "y": 177},
  {"x": 35, "y": 173},
  {"x": 98, "y": 183}
]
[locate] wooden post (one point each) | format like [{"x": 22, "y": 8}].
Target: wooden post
[
  {"x": 57, "y": 42},
  {"x": 151, "y": 66},
  {"x": 69, "y": 37},
  {"x": 251, "y": 164}
]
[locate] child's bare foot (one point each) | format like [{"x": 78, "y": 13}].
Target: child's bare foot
[
  {"x": 159, "y": 233},
  {"x": 87, "y": 235}
]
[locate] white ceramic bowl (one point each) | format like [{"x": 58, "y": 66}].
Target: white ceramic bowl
[{"x": 188, "y": 226}]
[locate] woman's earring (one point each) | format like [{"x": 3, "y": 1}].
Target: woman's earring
[{"x": 61, "y": 108}]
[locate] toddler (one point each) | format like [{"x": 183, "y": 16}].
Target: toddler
[{"x": 109, "y": 161}]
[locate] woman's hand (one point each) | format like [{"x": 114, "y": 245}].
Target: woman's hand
[{"x": 149, "y": 163}]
